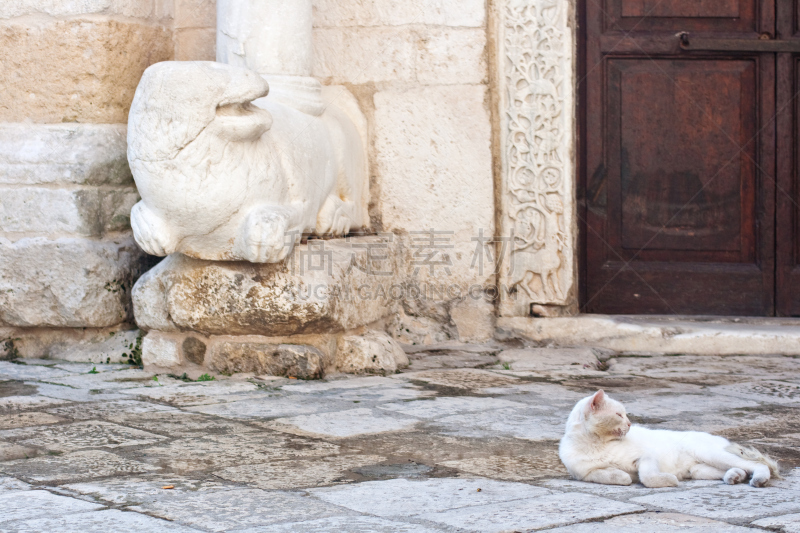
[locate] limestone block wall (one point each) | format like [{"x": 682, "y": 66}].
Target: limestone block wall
[
  {"x": 67, "y": 258},
  {"x": 419, "y": 70}
]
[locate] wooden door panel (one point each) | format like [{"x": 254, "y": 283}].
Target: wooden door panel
[
  {"x": 685, "y": 184},
  {"x": 681, "y": 8},
  {"x": 678, "y": 15},
  {"x": 678, "y": 203}
]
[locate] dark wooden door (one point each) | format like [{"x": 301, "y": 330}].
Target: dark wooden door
[
  {"x": 679, "y": 157},
  {"x": 788, "y": 162}
]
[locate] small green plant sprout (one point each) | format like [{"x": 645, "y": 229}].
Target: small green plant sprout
[
  {"x": 135, "y": 357},
  {"x": 93, "y": 370},
  {"x": 506, "y": 366},
  {"x": 205, "y": 377},
  {"x": 155, "y": 378}
]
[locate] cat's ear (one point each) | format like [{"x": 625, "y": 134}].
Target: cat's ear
[{"x": 597, "y": 400}]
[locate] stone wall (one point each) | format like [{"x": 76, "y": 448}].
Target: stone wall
[
  {"x": 67, "y": 258},
  {"x": 419, "y": 70}
]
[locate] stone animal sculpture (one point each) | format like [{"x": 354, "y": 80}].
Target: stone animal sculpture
[
  {"x": 224, "y": 178},
  {"x": 601, "y": 446}
]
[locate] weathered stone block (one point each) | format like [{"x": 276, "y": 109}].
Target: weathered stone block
[
  {"x": 474, "y": 319},
  {"x": 84, "y": 211},
  {"x": 94, "y": 345},
  {"x": 161, "y": 350},
  {"x": 67, "y": 282},
  {"x": 83, "y": 154},
  {"x": 75, "y": 70},
  {"x": 362, "y": 55},
  {"x": 447, "y": 55},
  {"x": 393, "y": 13},
  {"x": 56, "y": 8},
  {"x": 371, "y": 352},
  {"x": 194, "y": 350},
  {"x": 325, "y": 287},
  {"x": 300, "y": 361},
  {"x": 434, "y": 161},
  {"x": 196, "y": 14},
  {"x": 195, "y": 44}
]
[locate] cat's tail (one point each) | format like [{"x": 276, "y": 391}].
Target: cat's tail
[{"x": 751, "y": 454}]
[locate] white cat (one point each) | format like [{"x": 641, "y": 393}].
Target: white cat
[{"x": 601, "y": 446}]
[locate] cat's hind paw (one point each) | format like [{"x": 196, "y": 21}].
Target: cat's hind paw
[
  {"x": 759, "y": 480},
  {"x": 734, "y": 476},
  {"x": 660, "y": 480}
]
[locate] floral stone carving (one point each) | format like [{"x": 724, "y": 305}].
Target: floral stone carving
[
  {"x": 225, "y": 174},
  {"x": 537, "y": 135}
]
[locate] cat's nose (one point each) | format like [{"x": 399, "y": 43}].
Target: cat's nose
[{"x": 629, "y": 423}]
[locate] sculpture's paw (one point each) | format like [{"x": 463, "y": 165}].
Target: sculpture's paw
[
  {"x": 335, "y": 217},
  {"x": 341, "y": 224},
  {"x": 150, "y": 231},
  {"x": 734, "y": 476},
  {"x": 265, "y": 237},
  {"x": 660, "y": 480}
]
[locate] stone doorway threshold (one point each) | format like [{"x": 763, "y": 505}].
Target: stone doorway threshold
[{"x": 660, "y": 335}]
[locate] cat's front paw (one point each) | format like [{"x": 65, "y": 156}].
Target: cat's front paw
[
  {"x": 734, "y": 476},
  {"x": 660, "y": 480},
  {"x": 264, "y": 236},
  {"x": 759, "y": 481}
]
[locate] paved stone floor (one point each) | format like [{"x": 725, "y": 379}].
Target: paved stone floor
[{"x": 464, "y": 440}]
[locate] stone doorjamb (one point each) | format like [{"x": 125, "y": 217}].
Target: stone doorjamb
[{"x": 536, "y": 94}]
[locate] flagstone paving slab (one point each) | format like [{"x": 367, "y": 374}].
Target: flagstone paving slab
[
  {"x": 741, "y": 503},
  {"x": 268, "y": 407},
  {"x": 531, "y": 514},
  {"x": 178, "y": 423},
  {"x": 23, "y": 419},
  {"x": 74, "y": 466},
  {"x": 17, "y": 403},
  {"x": 528, "y": 424},
  {"x": 346, "y": 524},
  {"x": 222, "y": 451},
  {"x": 237, "y": 509},
  {"x": 513, "y": 467},
  {"x": 379, "y": 453},
  {"x": 404, "y": 497},
  {"x": 294, "y": 474},
  {"x": 78, "y": 435},
  {"x": 26, "y": 371},
  {"x": 93, "y": 410},
  {"x": 12, "y": 484},
  {"x": 762, "y": 391},
  {"x": 437, "y": 407},
  {"x": 109, "y": 520},
  {"x": 789, "y": 523},
  {"x": 343, "y": 423},
  {"x": 184, "y": 394},
  {"x": 654, "y": 523},
  {"x": 461, "y": 378},
  {"x": 9, "y": 452},
  {"x": 37, "y": 503}
]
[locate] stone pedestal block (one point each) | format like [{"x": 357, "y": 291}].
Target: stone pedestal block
[
  {"x": 291, "y": 319},
  {"x": 324, "y": 287}
]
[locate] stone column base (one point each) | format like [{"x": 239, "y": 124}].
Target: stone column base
[{"x": 302, "y": 318}]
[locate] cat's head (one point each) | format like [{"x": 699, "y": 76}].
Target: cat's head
[{"x": 601, "y": 416}]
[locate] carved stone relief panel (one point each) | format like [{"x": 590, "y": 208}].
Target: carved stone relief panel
[{"x": 536, "y": 95}]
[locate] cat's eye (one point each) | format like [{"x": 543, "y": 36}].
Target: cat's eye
[{"x": 619, "y": 415}]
